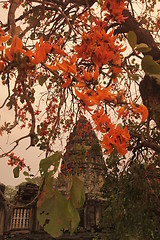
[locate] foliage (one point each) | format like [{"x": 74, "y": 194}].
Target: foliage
[
  {"x": 10, "y": 192},
  {"x": 46, "y": 163},
  {"x": 55, "y": 208},
  {"x": 132, "y": 196},
  {"x": 73, "y": 58},
  {"x": 56, "y": 212}
]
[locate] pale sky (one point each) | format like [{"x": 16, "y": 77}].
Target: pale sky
[{"x": 32, "y": 155}]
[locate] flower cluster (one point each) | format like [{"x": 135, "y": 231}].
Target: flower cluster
[
  {"x": 100, "y": 47},
  {"x": 114, "y": 10},
  {"x": 113, "y": 136},
  {"x": 15, "y": 161},
  {"x": 35, "y": 57},
  {"x": 90, "y": 72}
]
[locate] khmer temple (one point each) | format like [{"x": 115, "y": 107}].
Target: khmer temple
[{"x": 84, "y": 158}]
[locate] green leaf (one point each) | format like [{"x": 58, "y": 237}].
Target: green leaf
[
  {"x": 27, "y": 179},
  {"x": 142, "y": 47},
  {"x": 53, "y": 214},
  {"x": 48, "y": 187},
  {"x": 26, "y": 173},
  {"x": 134, "y": 76},
  {"x": 77, "y": 193},
  {"x": 150, "y": 66},
  {"x": 75, "y": 218},
  {"x": 120, "y": 125},
  {"x": 132, "y": 39},
  {"x": 16, "y": 172},
  {"x": 46, "y": 163}
]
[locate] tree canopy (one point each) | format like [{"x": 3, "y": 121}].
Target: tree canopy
[{"x": 94, "y": 58}]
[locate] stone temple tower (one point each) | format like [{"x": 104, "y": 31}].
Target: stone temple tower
[{"x": 84, "y": 158}]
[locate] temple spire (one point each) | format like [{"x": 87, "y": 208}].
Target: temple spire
[{"x": 83, "y": 156}]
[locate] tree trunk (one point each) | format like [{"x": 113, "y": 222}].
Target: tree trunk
[{"x": 149, "y": 88}]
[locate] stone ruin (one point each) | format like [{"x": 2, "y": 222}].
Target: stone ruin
[{"x": 84, "y": 158}]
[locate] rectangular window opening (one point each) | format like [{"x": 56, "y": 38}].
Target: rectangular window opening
[{"x": 21, "y": 218}]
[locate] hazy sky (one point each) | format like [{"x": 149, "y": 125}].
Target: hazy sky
[{"x": 32, "y": 155}]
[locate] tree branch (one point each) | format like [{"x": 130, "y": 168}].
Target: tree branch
[
  {"x": 143, "y": 35},
  {"x": 149, "y": 89},
  {"x": 11, "y": 16},
  {"x": 147, "y": 143},
  {"x": 22, "y": 75}
]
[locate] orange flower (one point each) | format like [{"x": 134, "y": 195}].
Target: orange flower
[
  {"x": 40, "y": 55},
  {"x": 114, "y": 10},
  {"x": 121, "y": 147},
  {"x": 1, "y": 65},
  {"x": 117, "y": 137},
  {"x": 102, "y": 121},
  {"x": 57, "y": 47},
  {"x": 89, "y": 76},
  {"x": 41, "y": 51},
  {"x": 141, "y": 109},
  {"x": 116, "y": 70},
  {"x": 144, "y": 111},
  {"x": 104, "y": 94},
  {"x": 88, "y": 97},
  {"x": 107, "y": 143},
  {"x": 65, "y": 66},
  {"x": 121, "y": 112},
  {"x": 36, "y": 57},
  {"x": 1, "y": 48},
  {"x": 67, "y": 83},
  {"x": 8, "y": 55},
  {"x": 52, "y": 67},
  {"x": 100, "y": 47},
  {"x": 4, "y": 38},
  {"x": 14, "y": 160},
  {"x": 16, "y": 47},
  {"x": 124, "y": 134}
]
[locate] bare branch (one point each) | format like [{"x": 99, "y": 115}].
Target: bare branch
[
  {"x": 147, "y": 143},
  {"x": 11, "y": 16},
  {"x": 22, "y": 75}
]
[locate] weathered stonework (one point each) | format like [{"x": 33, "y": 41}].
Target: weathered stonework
[{"x": 84, "y": 157}]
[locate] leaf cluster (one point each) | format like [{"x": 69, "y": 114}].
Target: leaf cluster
[
  {"x": 132, "y": 197},
  {"x": 58, "y": 212}
]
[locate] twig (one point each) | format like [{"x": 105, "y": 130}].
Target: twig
[
  {"x": 22, "y": 75},
  {"x": 147, "y": 143}
]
